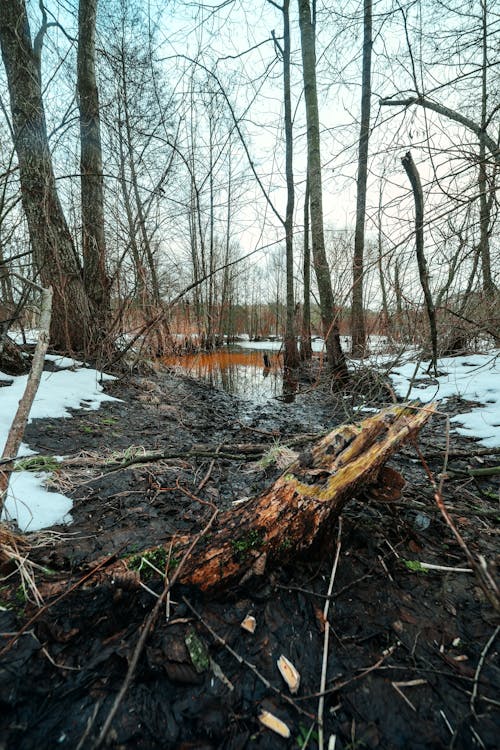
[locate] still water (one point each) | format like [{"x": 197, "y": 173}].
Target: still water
[{"x": 239, "y": 371}]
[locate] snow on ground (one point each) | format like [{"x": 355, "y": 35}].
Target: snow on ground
[
  {"x": 28, "y": 501},
  {"x": 375, "y": 343},
  {"x": 475, "y": 377}
]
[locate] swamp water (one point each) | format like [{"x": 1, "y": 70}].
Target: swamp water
[{"x": 240, "y": 371}]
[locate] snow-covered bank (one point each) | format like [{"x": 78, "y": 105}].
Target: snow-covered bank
[
  {"x": 72, "y": 387},
  {"x": 475, "y": 377},
  {"x": 376, "y": 344}
]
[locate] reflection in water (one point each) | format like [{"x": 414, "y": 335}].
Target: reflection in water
[
  {"x": 290, "y": 388},
  {"x": 255, "y": 375}
]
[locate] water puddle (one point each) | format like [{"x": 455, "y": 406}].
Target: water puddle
[{"x": 241, "y": 372}]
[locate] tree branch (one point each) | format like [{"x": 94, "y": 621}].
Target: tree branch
[{"x": 451, "y": 114}]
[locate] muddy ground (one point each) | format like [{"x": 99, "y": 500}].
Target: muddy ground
[{"x": 413, "y": 653}]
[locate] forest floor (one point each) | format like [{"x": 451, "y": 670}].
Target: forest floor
[{"x": 413, "y": 652}]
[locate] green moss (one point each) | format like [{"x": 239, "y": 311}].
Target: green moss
[
  {"x": 284, "y": 545},
  {"x": 109, "y": 420},
  {"x": 270, "y": 457},
  {"x": 415, "y": 566},
  {"x": 146, "y": 563},
  {"x": 252, "y": 540},
  {"x": 37, "y": 463},
  {"x": 197, "y": 652}
]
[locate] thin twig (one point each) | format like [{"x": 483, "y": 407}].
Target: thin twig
[
  {"x": 403, "y": 696},
  {"x": 246, "y": 663},
  {"x": 147, "y": 627},
  {"x": 339, "y": 685},
  {"x": 479, "y": 667},
  {"x": 209, "y": 471},
  {"x": 51, "y": 604},
  {"x": 321, "y": 703},
  {"x": 486, "y": 582}
]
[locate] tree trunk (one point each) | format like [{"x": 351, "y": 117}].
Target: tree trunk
[
  {"x": 295, "y": 512},
  {"x": 92, "y": 196},
  {"x": 489, "y": 287},
  {"x": 335, "y": 356},
  {"x": 291, "y": 357},
  {"x": 413, "y": 176},
  {"x": 305, "y": 336},
  {"x": 141, "y": 219},
  {"x": 358, "y": 331},
  {"x": 386, "y": 327},
  {"x": 53, "y": 250}
]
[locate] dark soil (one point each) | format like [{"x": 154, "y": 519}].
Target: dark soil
[{"x": 413, "y": 653}]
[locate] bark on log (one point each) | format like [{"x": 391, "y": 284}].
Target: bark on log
[{"x": 286, "y": 519}]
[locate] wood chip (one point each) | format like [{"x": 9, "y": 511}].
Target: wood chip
[
  {"x": 249, "y": 624},
  {"x": 272, "y": 722},
  {"x": 289, "y": 674}
]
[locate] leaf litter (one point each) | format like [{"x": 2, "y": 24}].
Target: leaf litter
[{"x": 413, "y": 656}]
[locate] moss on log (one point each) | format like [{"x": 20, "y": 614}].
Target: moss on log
[{"x": 286, "y": 519}]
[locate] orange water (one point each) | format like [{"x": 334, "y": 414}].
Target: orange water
[{"x": 238, "y": 371}]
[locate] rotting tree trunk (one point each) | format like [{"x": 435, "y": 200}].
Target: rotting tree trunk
[
  {"x": 288, "y": 518},
  {"x": 54, "y": 253}
]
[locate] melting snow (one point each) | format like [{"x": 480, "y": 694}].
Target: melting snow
[
  {"x": 28, "y": 501},
  {"x": 475, "y": 378}
]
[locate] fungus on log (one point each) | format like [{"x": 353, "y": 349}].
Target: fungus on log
[{"x": 287, "y": 518}]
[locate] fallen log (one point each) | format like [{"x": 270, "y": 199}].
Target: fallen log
[{"x": 286, "y": 519}]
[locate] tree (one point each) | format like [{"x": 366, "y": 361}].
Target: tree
[
  {"x": 291, "y": 355},
  {"x": 335, "y": 356},
  {"x": 92, "y": 198},
  {"x": 358, "y": 330},
  {"x": 54, "y": 253},
  {"x": 305, "y": 334},
  {"x": 457, "y": 77},
  {"x": 136, "y": 129},
  {"x": 414, "y": 177}
]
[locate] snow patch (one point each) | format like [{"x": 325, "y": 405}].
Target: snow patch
[
  {"x": 28, "y": 501},
  {"x": 473, "y": 377}
]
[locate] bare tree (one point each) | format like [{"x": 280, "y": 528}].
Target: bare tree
[
  {"x": 474, "y": 32},
  {"x": 412, "y": 172},
  {"x": 54, "y": 253},
  {"x": 305, "y": 334},
  {"x": 92, "y": 199},
  {"x": 358, "y": 329},
  {"x": 291, "y": 356},
  {"x": 335, "y": 356}
]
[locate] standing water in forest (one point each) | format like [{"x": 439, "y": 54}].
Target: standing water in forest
[{"x": 254, "y": 375}]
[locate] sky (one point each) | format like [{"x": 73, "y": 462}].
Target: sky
[{"x": 234, "y": 39}]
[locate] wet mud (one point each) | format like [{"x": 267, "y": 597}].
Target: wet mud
[{"x": 413, "y": 652}]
